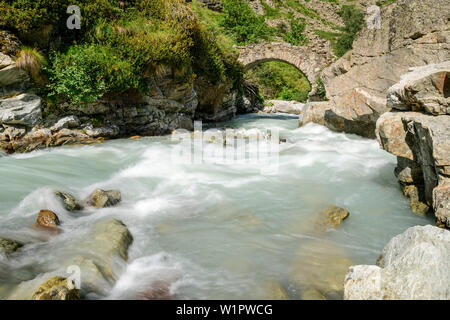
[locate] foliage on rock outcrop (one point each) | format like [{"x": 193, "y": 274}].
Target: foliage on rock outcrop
[
  {"x": 243, "y": 24},
  {"x": 120, "y": 43}
]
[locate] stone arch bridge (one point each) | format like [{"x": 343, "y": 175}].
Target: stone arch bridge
[{"x": 309, "y": 62}]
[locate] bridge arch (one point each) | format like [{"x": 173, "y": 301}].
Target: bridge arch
[{"x": 303, "y": 58}]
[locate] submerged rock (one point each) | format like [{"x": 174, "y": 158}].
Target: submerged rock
[
  {"x": 311, "y": 294},
  {"x": 111, "y": 237},
  {"x": 97, "y": 274},
  {"x": 57, "y": 288},
  {"x": 413, "y": 266},
  {"x": 159, "y": 290},
  {"x": 47, "y": 220},
  {"x": 101, "y": 199},
  {"x": 274, "y": 291},
  {"x": 320, "y": 266},
  {"x": 331, "y": 218},
  {"x": 8, "y": 246},
  {"x": 69, "y": 201}
]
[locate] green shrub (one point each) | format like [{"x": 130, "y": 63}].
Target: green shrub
[
  {"x": 296, "y": 36},
  {"x": 86, "y": 72},
  {"x": 243, "y": 24},
  {"x": 320, "y": 89},
  {"x": 354, "y": 22},
  {"x": 26, "y": 15},
  {"x": 279, "y": 80}
]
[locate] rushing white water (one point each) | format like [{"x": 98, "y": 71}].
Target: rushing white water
[{"x": 212, "y": 230}]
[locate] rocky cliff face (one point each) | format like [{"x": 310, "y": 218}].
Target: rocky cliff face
[
  {"x": 413, "y": 33},
  {"x": 417, "y": 131}
]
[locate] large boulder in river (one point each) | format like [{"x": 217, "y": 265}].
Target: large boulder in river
[
  {"x": 314, "y": 112},
  {"x": 57, "y": 288},
  {"x": 24, "y": 109},
  {"x": 101, "y": 198},
  {"x": 413, "y": 266},
  {"x": 111, "y": 237},
  {"x": 413, "y": 33}
]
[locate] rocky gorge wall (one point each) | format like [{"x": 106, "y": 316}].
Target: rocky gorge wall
[
  {"x": 417, "y": 131},
  {"x": 413, "y": 33}
]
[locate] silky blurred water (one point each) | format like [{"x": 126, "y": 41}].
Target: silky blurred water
[{"x": 212, "y": 230}]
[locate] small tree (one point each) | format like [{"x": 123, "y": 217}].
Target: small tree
[
  {"x": 354, "y": 22},
  {"x": 242, "y": 23}
]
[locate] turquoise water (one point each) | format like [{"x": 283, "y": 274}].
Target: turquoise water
[{"x": 212, "y": 230}]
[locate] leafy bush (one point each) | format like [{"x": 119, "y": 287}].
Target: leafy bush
[
  {"x": 86, "y": 72},
  {"x": 243, "y": 24},
  {"x": 296, "y": 36},
  {"x": 354, "y": 22},
  {"x": 320, "y": 89},
  {"x": 29, "y": 15},
  {"x": 279, "y": 80}
]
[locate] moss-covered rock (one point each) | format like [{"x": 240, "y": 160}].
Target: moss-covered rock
[
  {"x": 331, "y": 218},
  {"x": 9, "y": 246},
  {"x": 101, "y": 198},
  {"x": 69, "y": 201},
  {"x": 57, "y": 288},
  {"x": 274, "y": 291}
]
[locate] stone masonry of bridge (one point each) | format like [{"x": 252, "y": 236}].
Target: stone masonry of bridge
[{"x": 309, "y": 62}]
